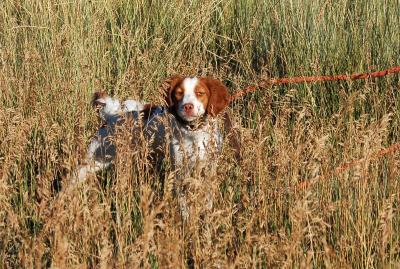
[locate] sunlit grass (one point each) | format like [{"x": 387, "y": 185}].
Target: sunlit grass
[{"x": 54, "y": 55}]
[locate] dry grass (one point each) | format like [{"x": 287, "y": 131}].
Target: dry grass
[{"x": 55, "y": 54}]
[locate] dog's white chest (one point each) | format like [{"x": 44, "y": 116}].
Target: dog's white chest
[{"x": 189, "y": 147}]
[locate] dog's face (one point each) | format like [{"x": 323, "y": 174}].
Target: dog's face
[{"x": 191, "y": 98}]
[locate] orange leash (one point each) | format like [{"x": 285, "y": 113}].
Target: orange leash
[
  {"x": 296, "y": 80},
  {"x": 265, "y": 83},
  {"x": 347, "y": 166}
]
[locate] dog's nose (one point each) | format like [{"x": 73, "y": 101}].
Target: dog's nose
[{"x": 188, "y": 107}]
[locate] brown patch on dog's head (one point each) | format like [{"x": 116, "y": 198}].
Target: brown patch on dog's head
[
  {"x": 99, "y": 99},
  {"x": 173, "y": 83},
  {"x": 219, "y": 97}
]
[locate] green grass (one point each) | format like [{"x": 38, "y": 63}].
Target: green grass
[{"x": 54, "y": 55}]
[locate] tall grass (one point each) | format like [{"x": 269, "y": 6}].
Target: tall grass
[{"x": 55, "y": 54}]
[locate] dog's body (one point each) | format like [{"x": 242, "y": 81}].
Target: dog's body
[{"x": 187, "y": 130}]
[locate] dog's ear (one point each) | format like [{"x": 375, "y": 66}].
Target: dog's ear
[
  {"x": 219, "y": 96},
  {"x": 171, "y": 84}
]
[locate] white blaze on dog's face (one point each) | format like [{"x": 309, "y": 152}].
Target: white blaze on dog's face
[{"x": 191, "y": 98}]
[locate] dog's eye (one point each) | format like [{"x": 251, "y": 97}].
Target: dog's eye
[
  {"x": 200, "y": 93},
  {"x": 178, "y": 94}
]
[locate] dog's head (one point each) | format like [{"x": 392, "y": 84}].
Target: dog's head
[{"x": 191, "y": 98}]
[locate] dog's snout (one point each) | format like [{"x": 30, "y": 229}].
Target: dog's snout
[{"x": 188, "y": 107}]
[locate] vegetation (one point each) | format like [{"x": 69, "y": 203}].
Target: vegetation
[{"x": 55, "y": 54}]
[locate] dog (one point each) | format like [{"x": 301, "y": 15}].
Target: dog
[{"x": 189, "y": 129}]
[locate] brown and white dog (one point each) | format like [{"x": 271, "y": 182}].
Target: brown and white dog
[{"x": 188, "y": 130}]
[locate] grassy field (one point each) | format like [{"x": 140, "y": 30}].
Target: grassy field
[{"x": 55, "y": 54}]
